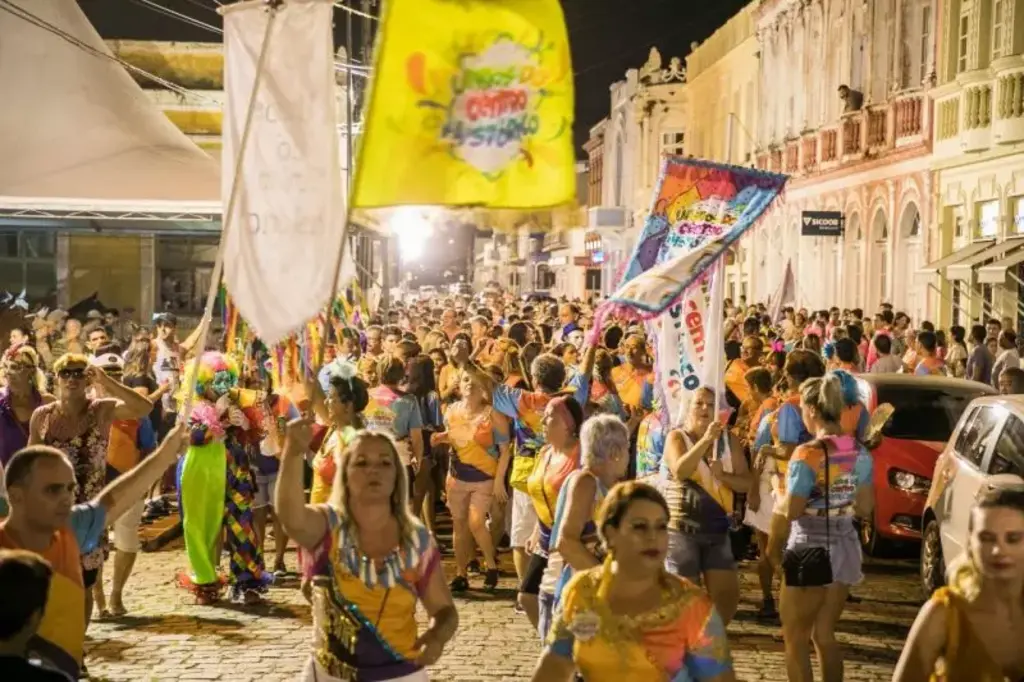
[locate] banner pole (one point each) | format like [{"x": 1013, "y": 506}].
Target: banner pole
[
  {"x": 351, "y": 169},
  {"x": 218, "y": 266}
]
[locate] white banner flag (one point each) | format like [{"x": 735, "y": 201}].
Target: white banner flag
[{"x": 289, "y": 216}]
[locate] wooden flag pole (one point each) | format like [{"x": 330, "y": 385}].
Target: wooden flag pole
[
  {"x": 218, "y": 267},
  {"x": 352, "y": 172}
]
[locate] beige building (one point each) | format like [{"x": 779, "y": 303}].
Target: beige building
[
  {"x": 978, "y": 162},
  {"x": 865, "y": 158},
  {"x": 647, "y": 119},
  {"x": 722, "y": 76}
]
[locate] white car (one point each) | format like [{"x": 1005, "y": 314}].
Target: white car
[{"x": 986, "y": 449}]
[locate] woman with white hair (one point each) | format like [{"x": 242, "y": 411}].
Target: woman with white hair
[{"x": 604, "y": 460}]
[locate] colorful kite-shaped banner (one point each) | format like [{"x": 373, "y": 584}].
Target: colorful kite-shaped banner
[{"x": 699, "y": 210}]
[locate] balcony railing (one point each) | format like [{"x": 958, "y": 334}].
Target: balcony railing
[
  {"x": 792, "y": 157},
  {"x": 829, "y": 145},
  {"x": 909, "y": 115},
  {"x": 869, "y": 132},
  {"x": 851, "y": 135},
  {"x": 1009, "y": 106},
  {"x": 947, "y": 119},
  {"x": 978, "y": 107},
  {"x": 809, "y": 153},
  {"x": 878, "y": 127},
  {"x": 1010, "y": 95}
]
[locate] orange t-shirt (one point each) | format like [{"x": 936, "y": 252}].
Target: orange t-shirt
[{"x": 60, "y": 639}]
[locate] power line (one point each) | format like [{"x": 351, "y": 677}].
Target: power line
[
  {"x": 203, "y": 5},
  {"x": 180, "y": 16},
  {"x": 357, "y": 68},
  {"x": 25, "y": 15}
]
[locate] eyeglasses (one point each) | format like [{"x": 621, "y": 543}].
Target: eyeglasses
[{"x": 72, "y": 373}]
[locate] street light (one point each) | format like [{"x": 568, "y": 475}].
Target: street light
[{"x": 412, "y": 229}]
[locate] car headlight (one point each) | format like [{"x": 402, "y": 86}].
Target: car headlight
[{"x": 908, "y": 482}]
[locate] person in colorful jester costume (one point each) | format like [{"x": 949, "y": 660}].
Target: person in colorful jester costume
[{"x": 216, "y": 483}]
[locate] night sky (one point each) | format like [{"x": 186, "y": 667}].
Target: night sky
[{"x": 607, "y": 36}]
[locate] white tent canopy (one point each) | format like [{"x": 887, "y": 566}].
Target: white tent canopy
[{"x": 79, "y": 136}]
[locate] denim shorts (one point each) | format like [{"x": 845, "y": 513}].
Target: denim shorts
[
  {"x": 841, "y": 539},
  {"x": 689, "y": 556}
]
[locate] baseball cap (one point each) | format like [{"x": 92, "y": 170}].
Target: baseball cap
[
  {"x": 168, "y": 319},
  {"x": 107, "y": 362}
]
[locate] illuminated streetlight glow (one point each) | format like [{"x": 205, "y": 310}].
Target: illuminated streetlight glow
[{"x": 412, "y": 230}]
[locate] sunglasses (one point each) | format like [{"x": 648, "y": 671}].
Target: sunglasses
[
  {"x": 76, "y": 373},
  {"x": 20, "y": 367}
]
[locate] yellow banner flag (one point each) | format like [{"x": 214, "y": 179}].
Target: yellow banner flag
[{"x": 471, "y": 105}]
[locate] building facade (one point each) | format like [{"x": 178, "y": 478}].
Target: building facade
[
  {"x": 142, "y": 266},
  {"x": 722, "y": 76},
  {"x": 978, "y": 108},
  {"x": 647, "y": 119},
  {"x": 863, "y": 152}
]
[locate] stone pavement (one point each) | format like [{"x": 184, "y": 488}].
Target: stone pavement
[{"x": 167, "y": 638}]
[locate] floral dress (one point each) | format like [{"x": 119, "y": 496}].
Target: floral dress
[{"x": 88, "y": 454}]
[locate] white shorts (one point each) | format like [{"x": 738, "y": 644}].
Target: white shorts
[
  {"x": 126, "y": 529},
  {"x": 524, "y": 519}
]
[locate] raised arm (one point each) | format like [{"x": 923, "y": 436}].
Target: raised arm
[
  {"x": 129, "y": 488},
  {"x": 125, "y": 402},
  {"x": 188, "y": 346},
  {"x": 683, "y": 461},
  {"x": 306, "y": 524}
]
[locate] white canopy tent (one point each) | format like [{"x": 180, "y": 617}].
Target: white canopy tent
[{"x": 79, "y": 138}]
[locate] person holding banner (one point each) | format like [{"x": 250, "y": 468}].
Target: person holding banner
[{"x": 703, "y": 468}]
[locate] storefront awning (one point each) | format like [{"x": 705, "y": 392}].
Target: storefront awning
[
  {"x": 956, "y": 256},
  {"x": 80, "y": 136},
  {"x": 963, "y": 269},
  {"x": 996, "y": 272}
]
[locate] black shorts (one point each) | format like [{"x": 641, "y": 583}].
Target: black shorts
[
  {"x": 534, "y": 574},
  {"x": 89, "y": 577}
]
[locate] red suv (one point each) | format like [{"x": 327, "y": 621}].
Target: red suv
[{"x": 927, "y": 410}]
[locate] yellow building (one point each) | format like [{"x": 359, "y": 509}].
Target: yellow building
[
  {"x": 978, "y": 163},
  {"x": 722, "y": 82},
  {"x": 197, "y": 67}
]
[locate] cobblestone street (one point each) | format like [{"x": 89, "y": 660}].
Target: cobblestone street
[{"x": 166, "y": 637}]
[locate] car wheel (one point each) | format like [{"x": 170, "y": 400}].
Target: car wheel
[
  {"x": 870, "y": 541},
  {"x": 933, "y": 566}
]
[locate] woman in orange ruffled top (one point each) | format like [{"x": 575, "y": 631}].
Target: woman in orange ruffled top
[{"x": 630, "y": 620}]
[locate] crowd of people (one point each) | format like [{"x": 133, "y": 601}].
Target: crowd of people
[{"x": 544, "y": 438}]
